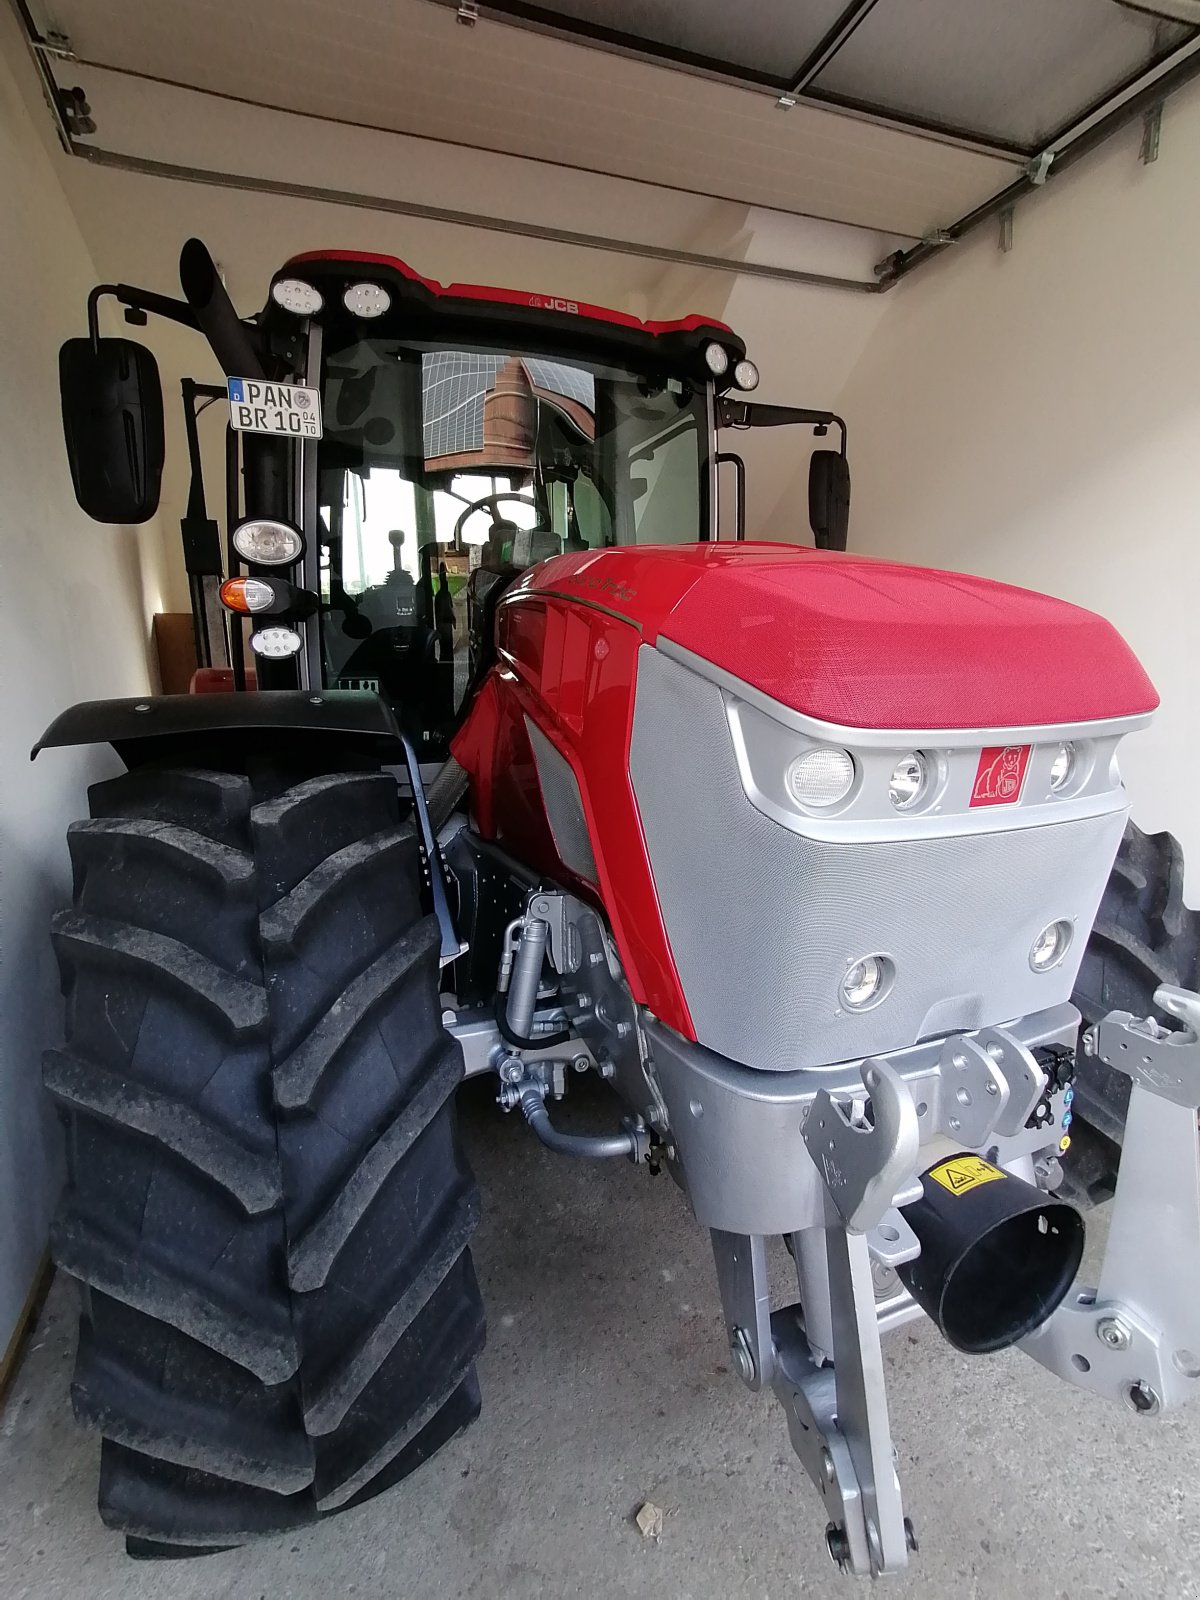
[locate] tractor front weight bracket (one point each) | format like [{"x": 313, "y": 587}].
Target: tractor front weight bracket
[{"x": 1135, "y": 1337}]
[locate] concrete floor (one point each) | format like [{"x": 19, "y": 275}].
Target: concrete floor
[{"x": 606, "y": 1383}]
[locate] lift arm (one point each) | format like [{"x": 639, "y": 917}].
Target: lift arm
[{"x": 1135, "y": 1337}]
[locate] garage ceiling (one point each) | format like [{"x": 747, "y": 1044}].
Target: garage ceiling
[{"x": 907, "y": 117}]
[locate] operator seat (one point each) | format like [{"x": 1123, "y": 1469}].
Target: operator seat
[{"x": 400, "y": 649}]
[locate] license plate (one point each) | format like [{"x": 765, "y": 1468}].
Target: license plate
[
  {"x": 1000, "y": 775},
  {"x": 256, "y": 406}
]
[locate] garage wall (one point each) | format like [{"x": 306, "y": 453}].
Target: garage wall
[
  {"x": 1035, "y": 417},
  {"x": 74, "y": 599}
]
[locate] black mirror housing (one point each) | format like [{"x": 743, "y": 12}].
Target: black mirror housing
[
  {"x": 829, "y": 499},
  {"x": 112, "y": 412}
]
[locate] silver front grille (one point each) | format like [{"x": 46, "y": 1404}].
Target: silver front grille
[{"x": 763, "y": 922}]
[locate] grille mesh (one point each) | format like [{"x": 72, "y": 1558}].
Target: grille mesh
[
  {"x": 564, "y": 807},
  {"x": 763, "y": 922}
]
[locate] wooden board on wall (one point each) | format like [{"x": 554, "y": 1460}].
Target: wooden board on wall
[
  {"x": 175, "y": 648},
  {"x": 11, "y": 1358}
]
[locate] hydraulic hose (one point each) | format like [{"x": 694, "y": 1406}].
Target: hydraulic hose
[
  {"x": 515, "y": 1009},
  {"x": 533, "y": 1108},
  {"x": 519, "y": 1040}
]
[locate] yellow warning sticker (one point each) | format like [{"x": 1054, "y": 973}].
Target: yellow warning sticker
[{"x": 963, "y": 1173}]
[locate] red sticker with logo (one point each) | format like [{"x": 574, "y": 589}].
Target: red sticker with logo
[{"x": 1000, "y": 776}]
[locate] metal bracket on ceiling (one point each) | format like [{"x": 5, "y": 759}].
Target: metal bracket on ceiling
[
  {"x": 1151, "y": 134},
  {"x": 56, "y": 45},
  {"x": 785, "y": 102},
  {"x": 75, "y": 111},
  {"x": 1038, "y": 169},
  {"x": 1006, "y": 228},
  {"x": 468, "y": 13}
]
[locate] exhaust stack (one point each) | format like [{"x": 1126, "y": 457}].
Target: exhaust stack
[{"x": 219, "y": 322}]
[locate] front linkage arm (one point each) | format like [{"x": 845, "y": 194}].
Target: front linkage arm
[
  {"x": 1135, "y": 1337},
  {"x": 823, "y": 1357}
]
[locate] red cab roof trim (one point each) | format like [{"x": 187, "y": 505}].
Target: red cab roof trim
[{"x": 511, "y": 297}]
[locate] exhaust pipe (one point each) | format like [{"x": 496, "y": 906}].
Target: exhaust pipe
[
  {"x": 998, "y": 1255},
  {"x": 219, "y": 322},
  {"x": 265, "y": 461}
]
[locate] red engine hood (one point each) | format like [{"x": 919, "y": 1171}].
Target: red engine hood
[{"x": 865, "y": 643}]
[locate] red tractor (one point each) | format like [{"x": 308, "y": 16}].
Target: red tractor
[{"x": 520, "y": 762}]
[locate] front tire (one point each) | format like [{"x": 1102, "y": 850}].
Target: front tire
[
  {"x": 267, "y": 1205},
  {"x": 1144, "y": 936}
]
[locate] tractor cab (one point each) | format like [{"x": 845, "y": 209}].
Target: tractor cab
[
  {"x": 470, "y": 434},
  {"x": 399, "y": 451}
]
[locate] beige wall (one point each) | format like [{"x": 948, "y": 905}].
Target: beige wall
[
  {"x": 73, "y": 627},
  {"x": 1035, "y": 416}
]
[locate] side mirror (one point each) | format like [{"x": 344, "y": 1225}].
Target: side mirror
[
  {"x": 112, "y": 413},
  {"x": 829, "y": 499}
]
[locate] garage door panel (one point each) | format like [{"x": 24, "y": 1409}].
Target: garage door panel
[
  {"x": 407, "y": 66},
  {"x": 770, "y": 37},
  {"x": 1018, "y": 71}
]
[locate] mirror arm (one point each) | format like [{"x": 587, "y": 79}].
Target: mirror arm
[
  {"x": 139, "y": 300},
  {"x": 749, "y": 414}
]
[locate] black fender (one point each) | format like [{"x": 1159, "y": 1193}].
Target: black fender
[{"x": 147, "y": 727}]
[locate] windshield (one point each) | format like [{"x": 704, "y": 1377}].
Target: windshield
[{"x": 442, "y": 472}]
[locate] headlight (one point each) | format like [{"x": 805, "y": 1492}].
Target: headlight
[
  {"x": 247, "y": 594},
  {"x": 1050, "y": 946},
  {"x": 275, "y": 643},
  {"x": 298, "y": 297},
  {"x": 267, "y": 543},
  {"x": 1063, "y": 769},
  {"x": 820, "y": 777},
  {"x": 745, "y": 375},
  {"x": 366, "y": 300},
  {"x": 716, "y": 358},
  {"x": 909, "y": 780},
  {"x": 867, "y": 982}
]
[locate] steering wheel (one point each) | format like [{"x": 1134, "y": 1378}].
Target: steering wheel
[{"x": 490, "y": 500}]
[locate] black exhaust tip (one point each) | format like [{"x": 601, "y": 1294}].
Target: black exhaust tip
[
  {"x": 229, "y": 337},
  {"x": 197, "y": 274},
  {"x": 998, "y": 1255}
]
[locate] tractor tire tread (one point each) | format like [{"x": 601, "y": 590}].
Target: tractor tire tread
[
  {"x": 1144, "y": 936},
  {"x": 299, "y": 1076},
  {"x": 267, "y": 1203},
  {"x": 252, "y": 1179},
  {"x": 104, "y": 941}
]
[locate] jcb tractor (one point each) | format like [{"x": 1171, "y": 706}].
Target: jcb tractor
[{"x": 508, "y": 755}]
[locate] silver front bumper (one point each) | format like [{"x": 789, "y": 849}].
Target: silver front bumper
[{"x": 737, "y": 1133}]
